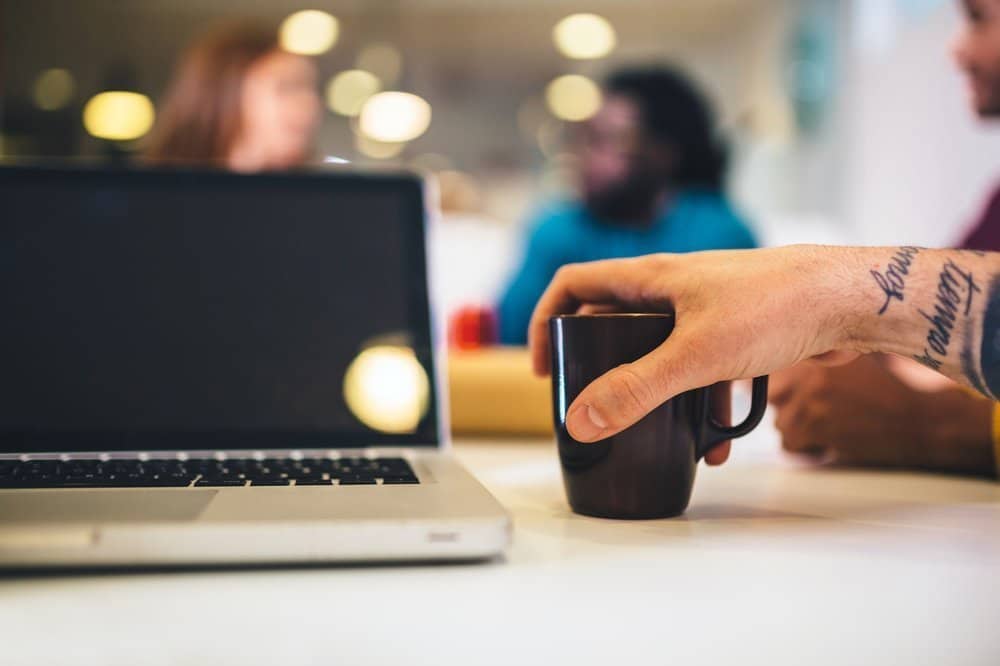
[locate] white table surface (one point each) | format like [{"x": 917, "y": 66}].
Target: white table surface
[{"x": 774, "y": 563}]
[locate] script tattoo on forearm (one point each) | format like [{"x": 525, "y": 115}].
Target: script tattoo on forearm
[
  {"x": 956, "y": 289},
  {"x": 892, "y": 281},
  {"x": 989, "y": 350}
]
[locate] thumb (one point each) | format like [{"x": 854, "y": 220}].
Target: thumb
[{"x": 620, "y": 397}]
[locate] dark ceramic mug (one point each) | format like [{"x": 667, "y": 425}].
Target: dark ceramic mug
[{"x": 648, "y": 469}]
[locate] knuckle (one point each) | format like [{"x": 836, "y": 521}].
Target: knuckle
[
  {"x": 566, "y": 271},
  {"x": 657, "y": 262}
]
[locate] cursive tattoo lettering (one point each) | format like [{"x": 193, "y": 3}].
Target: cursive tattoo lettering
[
  {"x": 956, "y": 289},
  {"x": 892, "y": 281}
]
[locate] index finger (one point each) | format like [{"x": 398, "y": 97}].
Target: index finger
[{"x": 572, "y": 286}]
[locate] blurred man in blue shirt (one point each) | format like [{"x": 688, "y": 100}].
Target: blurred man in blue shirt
[{"x": 651, "y": 172}]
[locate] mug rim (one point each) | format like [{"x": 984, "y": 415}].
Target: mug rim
[{"x": 614, "y": 315}]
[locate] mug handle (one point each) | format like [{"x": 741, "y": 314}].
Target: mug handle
[{"x": 716, "y": 432}]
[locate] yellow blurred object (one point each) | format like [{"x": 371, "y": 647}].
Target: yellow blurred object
[
  {"x": 309, "y": 32},
  {"x": 494, "y": 390},
  {"x": 584, "y": 36},
  {"x": 53, "y": 89},
  {"x": 394, "y": 117},
  {"x": 387, "y": 389},
  {"x": 348, "y": 91},
  {"x": 118, "y": 115},
  {"x": 573, "y": 97}
]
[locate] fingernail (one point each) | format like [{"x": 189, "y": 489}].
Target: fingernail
[{"x": 585, "y": 423}]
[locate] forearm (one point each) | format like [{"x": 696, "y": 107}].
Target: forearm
[{"x": 935, "y": 306}]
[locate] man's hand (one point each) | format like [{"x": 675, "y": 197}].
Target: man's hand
[
  {"x": 739, "y": 315},
  {"x": 858, "y": 414},
  {"x": 861, "y": 414}
]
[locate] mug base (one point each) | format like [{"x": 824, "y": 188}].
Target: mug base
[{"x": 593, "y": 512}]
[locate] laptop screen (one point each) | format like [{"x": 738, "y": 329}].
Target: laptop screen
[{"x": 166, "y": 310}]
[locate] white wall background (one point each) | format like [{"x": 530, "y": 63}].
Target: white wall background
[{"x": 919, "y": 165}]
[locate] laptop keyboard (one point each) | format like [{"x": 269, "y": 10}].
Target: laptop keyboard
[{"x": 205, "y": 472}]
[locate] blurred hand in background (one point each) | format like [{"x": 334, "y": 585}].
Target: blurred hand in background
[{"x": 865, "y": 414}]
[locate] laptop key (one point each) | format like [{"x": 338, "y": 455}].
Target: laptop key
[
  {"x": 313, "y": 482},
  {"x": 40, "y": 467},
  {"x": 155, "y": 483},
  {"x": 220, "y": 482},
  {"x": 36, "y": 482},
  {"x": 128, "y": 483},
  {"x": 63, "y": 482},
  {"x": 82, "y": 478},
  {"x": 270, "y": 482},
  {"x": 399, "y": 480},
  {"x": 305, "y": 474},
  {"x": 168, "y": 467},
  {"x": 277, "y": 463},
  {"x": 356, "y": 480},
  {"x": 267, "y": 474}
]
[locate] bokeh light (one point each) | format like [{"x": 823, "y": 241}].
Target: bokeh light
[
  {"x": 53, "y": 89},
  {"x": 387, "y": 389},
  {"x": 118, "y": 115},
  {"x": 584, "y": 36},
  {"x": 383, "y": 60},
  {"x": 573, "y": 97},
  {"x": 348, "y": 91},
  {"x": 309, "y": 32},
  {"x": 395, "y": 117}
]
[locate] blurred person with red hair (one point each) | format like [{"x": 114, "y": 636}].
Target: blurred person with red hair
[{"x": 238, "y": 101}]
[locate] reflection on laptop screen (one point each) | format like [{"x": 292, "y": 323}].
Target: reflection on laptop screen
[{"x": 167, "y": 310}]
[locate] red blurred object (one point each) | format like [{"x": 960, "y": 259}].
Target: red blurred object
[{"x": 472, "y": 327}]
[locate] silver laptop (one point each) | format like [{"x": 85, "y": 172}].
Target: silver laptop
[{"x": 204, "y": 368}]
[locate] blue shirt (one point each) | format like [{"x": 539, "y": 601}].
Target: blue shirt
[{"x": 566, "y": 233}]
